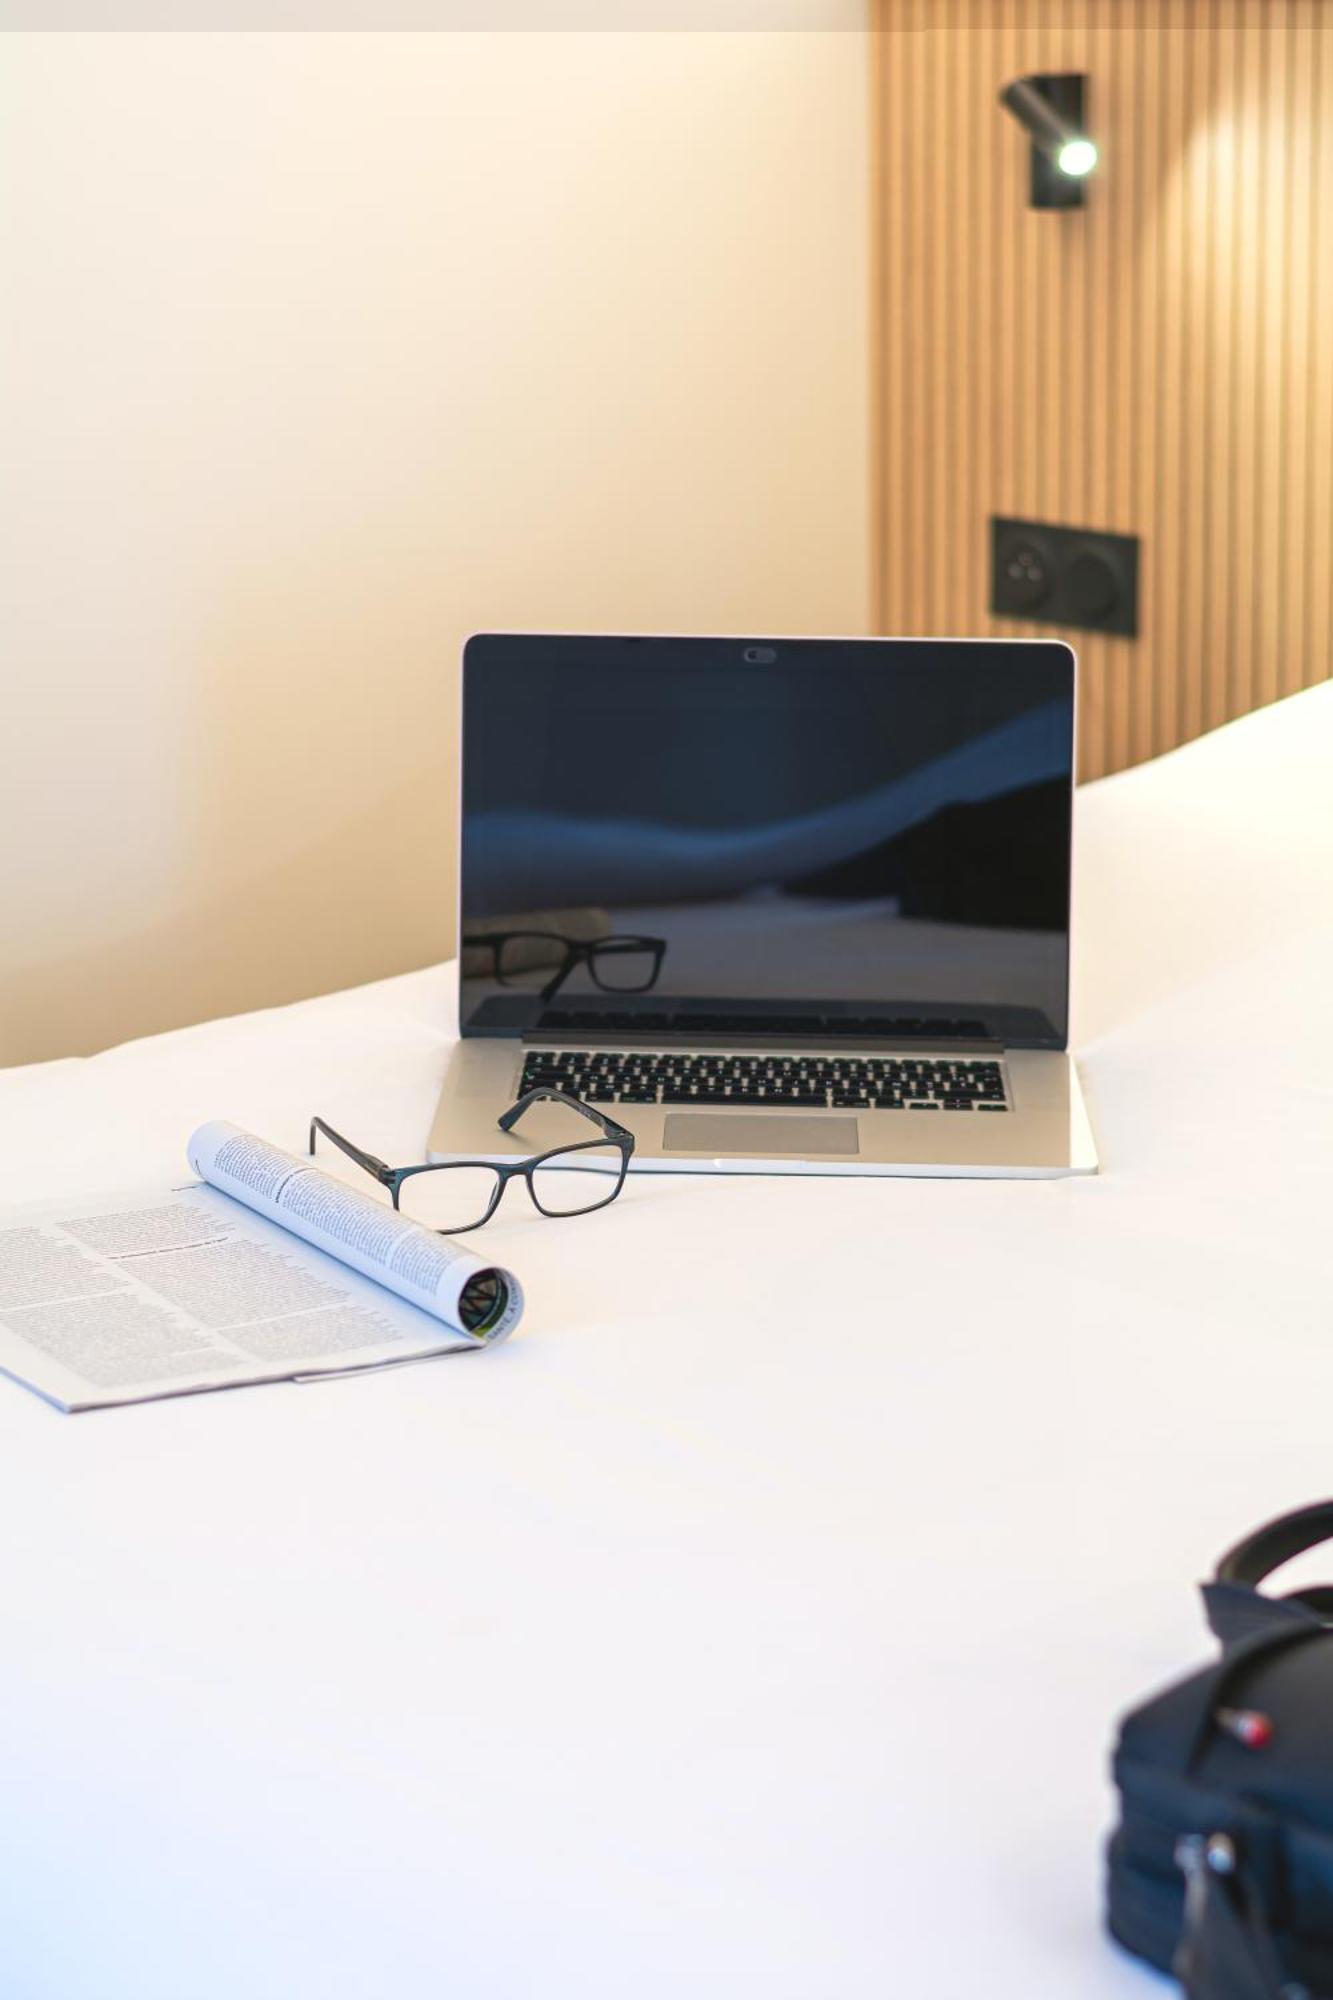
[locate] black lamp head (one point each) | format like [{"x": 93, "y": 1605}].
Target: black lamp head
[{"x": 1050, "y": 108}]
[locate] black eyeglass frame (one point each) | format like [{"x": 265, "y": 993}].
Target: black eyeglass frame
[
  {"x": 505, "y": 1171},
  {"x": 578, "y": 951}
]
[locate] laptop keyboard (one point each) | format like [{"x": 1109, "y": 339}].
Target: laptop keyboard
[{"x": 867, "y": 1083}]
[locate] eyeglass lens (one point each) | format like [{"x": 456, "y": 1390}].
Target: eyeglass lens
[
  {"x": 456, "y": 1198},
  {"x": 572, "y": 1183},
  {"x": 449, "y": 1198},
  {"x": 528, "y": 958},
  {"x": 623, "y": 968}
]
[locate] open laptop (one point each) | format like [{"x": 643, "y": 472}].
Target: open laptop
[{"x": 776, "y": 905}]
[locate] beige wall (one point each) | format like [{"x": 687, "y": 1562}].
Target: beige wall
[
  {"x": 1159, "y": 363},
  {"x": 321, "y": 351}
]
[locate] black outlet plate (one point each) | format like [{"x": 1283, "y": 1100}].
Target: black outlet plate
[{"x": 1078, "y": 577}]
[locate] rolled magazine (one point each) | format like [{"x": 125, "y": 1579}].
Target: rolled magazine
[{"x": 427, "y": 1270}]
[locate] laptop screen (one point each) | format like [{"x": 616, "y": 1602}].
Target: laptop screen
[{"x": 851, "y": 840}]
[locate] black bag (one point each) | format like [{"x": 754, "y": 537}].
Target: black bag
[{"x": 1221, "y": 1869}]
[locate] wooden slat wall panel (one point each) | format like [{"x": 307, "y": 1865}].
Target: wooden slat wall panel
[{"x": 1160, "y": 363}]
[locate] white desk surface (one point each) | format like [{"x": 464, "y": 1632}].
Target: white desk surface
[{"x": 756, "y": 1620}]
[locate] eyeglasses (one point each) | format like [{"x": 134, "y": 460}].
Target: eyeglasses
[
  {"x": 456, "y": 1195},
  {"x": 526, "y": 958}
]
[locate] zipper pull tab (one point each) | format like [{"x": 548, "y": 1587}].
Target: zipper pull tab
[{"x": 1250, "y": 1727}]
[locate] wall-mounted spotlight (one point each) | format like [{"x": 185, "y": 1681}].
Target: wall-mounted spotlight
[{"x": 1051, "y": 109}]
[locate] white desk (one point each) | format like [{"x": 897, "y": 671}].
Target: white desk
[{"x": 749, "y": 1624}]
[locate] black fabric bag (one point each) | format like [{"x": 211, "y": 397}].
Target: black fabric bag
[{"x": 1221, "y": 1869}]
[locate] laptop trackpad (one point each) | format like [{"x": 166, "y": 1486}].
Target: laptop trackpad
[{"x": 757, "y": 1132}]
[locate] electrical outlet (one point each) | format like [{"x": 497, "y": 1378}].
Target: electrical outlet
[{"x": 1065, "y": 576}]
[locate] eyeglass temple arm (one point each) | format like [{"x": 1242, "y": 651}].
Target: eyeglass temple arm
[
  {"x": 552, "y": 986},
  {"x": 545, "y": 1094},
  {"x": 380, "y": 1168}
]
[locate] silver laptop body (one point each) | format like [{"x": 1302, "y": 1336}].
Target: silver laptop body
[{"x": 775, "y": 905}]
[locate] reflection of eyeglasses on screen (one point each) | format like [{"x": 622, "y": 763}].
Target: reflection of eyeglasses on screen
[{"x": 615, "y": 964}]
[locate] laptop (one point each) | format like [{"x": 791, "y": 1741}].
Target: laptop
[{"x": 776, "y": 905}]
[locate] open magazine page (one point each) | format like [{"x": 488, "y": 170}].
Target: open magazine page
[{"x": 164, "y": 1294}]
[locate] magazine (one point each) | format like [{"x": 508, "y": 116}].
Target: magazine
[{"x": 265, "y": 1269}]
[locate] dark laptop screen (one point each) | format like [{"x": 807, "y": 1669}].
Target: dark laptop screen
[{"x": 858, "y": 840}]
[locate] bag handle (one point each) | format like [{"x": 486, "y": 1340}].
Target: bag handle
[{"x": 1237, "y": 1609}]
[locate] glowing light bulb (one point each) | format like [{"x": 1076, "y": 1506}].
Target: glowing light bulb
[{"x": 1076, "y": 157}]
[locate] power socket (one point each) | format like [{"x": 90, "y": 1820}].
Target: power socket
[{"x": 1065, "y": 576}]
